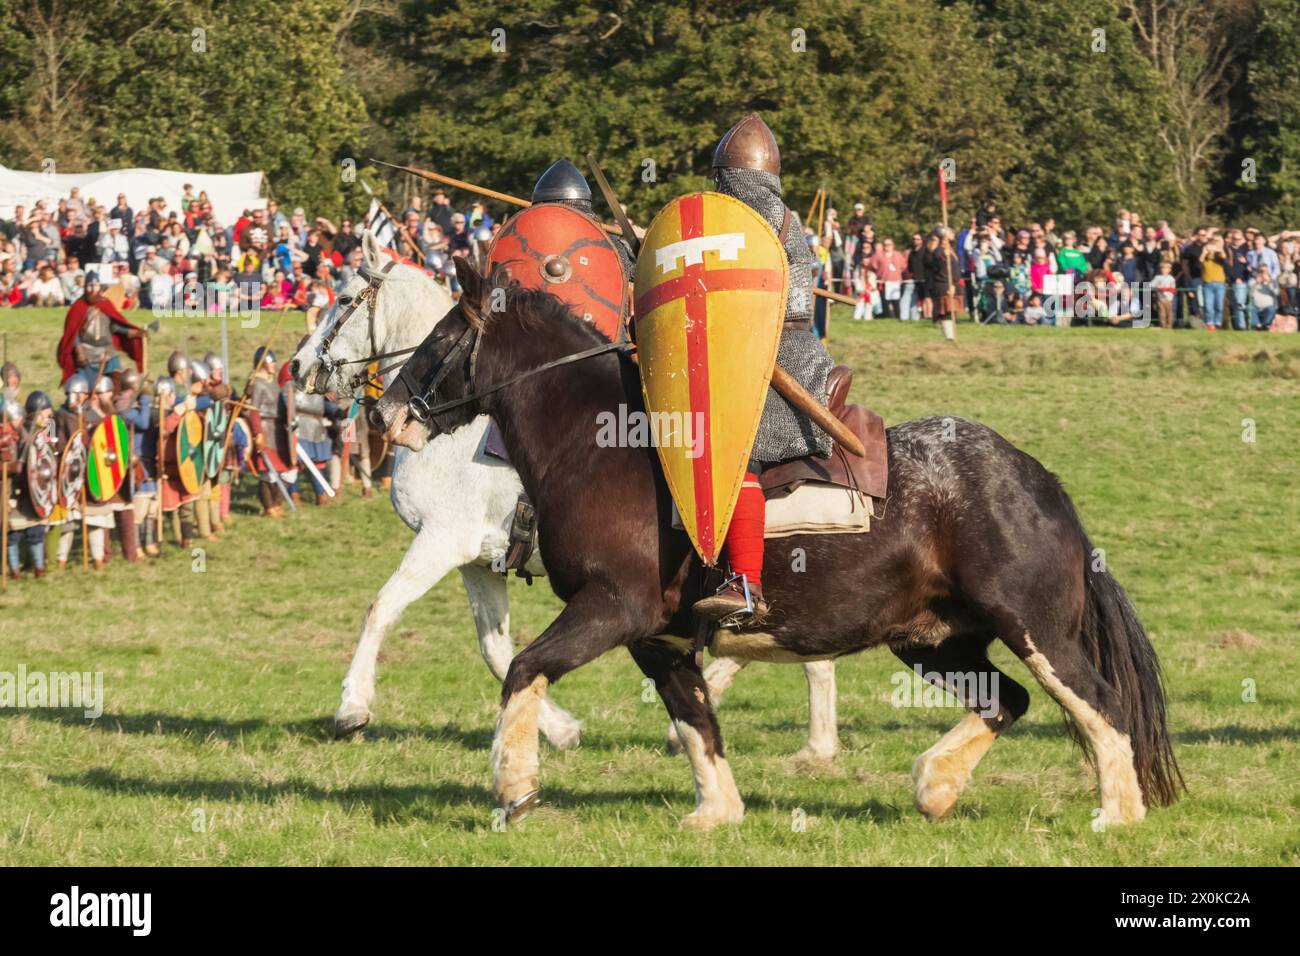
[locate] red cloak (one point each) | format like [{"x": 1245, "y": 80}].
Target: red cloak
[{"x": 76, "y": 319}]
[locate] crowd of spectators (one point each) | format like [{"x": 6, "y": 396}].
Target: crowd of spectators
[
  {"x": 1037, "y": 274},
  {"x": 167, "y": 250}
]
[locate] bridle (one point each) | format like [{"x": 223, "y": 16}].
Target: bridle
[
  {"x": 368, "y": 297},
  {"x": 469, "y": 342}
]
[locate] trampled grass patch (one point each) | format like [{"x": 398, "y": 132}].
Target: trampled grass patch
[{"x": 214, "y": 744}]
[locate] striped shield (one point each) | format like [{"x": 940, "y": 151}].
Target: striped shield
[
  {"x": 711, "y": 282},
  {"x": 110, "y": 458},
  {"x": 189, "y": 452}
]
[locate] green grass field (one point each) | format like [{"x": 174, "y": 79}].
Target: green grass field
[{"x": 214, "y": 746}]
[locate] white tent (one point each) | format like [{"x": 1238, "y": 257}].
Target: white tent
[{"x": 230, "y": 194}]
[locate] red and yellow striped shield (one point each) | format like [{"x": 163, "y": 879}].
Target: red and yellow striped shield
[
  {"x": 110, "y": 457},
  {"x": 711, "y": 281}
]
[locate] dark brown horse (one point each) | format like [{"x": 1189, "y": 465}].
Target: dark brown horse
[{"x": 976, "y": 541}]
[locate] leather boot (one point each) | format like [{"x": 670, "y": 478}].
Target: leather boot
[
  {"x": 145, "y": 534},
  {"x": 125, "y": 521},
  {"x": 38, "y": 573},
  {"x": 730, "y": 600}
]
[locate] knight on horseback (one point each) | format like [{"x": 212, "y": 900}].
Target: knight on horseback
[
  {"x": 747, "y": 166},
  {"x": 564, "y": 185}
]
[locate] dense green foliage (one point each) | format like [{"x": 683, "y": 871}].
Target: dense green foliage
[{"x": 1054, "y": 107}]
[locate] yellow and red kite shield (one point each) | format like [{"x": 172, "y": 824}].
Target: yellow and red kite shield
[
  {"x": 560, "y": 250},
  {"x": 711, "y": 283},
  {"x": 110, "y": 458}
]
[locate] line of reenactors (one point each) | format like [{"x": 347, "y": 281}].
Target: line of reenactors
[{"x": 129, "y": 459}]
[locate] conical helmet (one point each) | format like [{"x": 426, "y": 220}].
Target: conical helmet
[
  {"x": 562, "y": 181},
  {"x": 748, "y": 145}
]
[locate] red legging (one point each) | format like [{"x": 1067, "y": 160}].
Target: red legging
[{"x": 745, "y": 535}]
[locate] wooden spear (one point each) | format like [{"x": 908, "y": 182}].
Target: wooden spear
[
  {"x": 524, "y": 203},
  {"x": 794, "y": 393},
  {"x": 480, "y": 190},
  {"x": 4, "y": 522}
]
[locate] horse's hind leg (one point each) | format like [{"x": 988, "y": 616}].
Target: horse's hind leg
[
  {"x": 685, "y": 694},
  {"x": 491, "y": 606},
  {"x": 1093, "y": 705},
  {"x": 423, "y": 566},
  {"x": 994, "y": 701}
]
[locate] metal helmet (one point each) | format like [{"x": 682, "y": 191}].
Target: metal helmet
[
  {"x": 175, "y": 362},
  {"x": 748, "y": 145},
  {"x": 262, "y": 356},
  {"x": 562, "y": 181},
  {"x": 105, "y": 384},
  {"x": 11, "y": 412},
  {"x": 37, "y": 402},
  {"x": 213, "y": 361},
  {"x": 76, "y": 385},
  {"x": 131, "y": 379},
  {"x": 483, "y": 234},
  {"x": 436, "y": 261},
  {"x": 164, "y": 384},
  {"x": 199, "y": 371}
]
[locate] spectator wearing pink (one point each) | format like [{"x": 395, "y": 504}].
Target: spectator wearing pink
[
  {"x": 1039, "y": 269},
  {"x": 888, "y": 264},
  {"x": 278, "y": 293}
]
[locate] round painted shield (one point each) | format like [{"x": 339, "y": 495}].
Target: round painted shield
[
  {"x": 189, "y": 452},
  {"x": 215, "y": 422},
  {"x": 43, "y": 470},
  {"x": 711, "y": 280},
  {"x": 110, "y": 458},
  {"x": 560, "y": 250},
  {"x": 72, "y": 468}
]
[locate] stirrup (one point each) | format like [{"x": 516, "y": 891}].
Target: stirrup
[{"x": 739, "y": 615}]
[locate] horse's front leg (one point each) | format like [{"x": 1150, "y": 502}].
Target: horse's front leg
[
  {"x": 490, "y": 603},
  {"x": 593, "y": 622},
  {"x": 685, "y": 694},
  {"x": 424, "y": 565}
]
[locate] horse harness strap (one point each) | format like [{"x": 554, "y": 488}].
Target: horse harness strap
[
  {"x": 523, "y": 538},
  {"x": 471, "y": 339}
]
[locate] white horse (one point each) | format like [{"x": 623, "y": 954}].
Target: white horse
[{"x": 459, "y": 502}]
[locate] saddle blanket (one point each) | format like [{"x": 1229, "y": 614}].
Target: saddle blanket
[{"x": 814, "y": 507}]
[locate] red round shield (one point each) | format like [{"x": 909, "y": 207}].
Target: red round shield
[{"x": 558, "y": 249}]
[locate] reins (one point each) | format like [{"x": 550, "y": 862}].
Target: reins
[
  {"x": 471, "y": 339},
  {"x": 368, "y": 295}
]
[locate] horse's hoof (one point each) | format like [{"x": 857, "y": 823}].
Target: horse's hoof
[
  {"x": 347, "y": 724},
  {"x": 519, "y": 808},
  {"x": 812, "y": 754},
  {"x": 707, "y": 818}
]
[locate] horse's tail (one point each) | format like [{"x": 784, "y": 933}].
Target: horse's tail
[{"x": 1122, "y": 653}]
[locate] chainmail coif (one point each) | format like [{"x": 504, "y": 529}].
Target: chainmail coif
[{"x": 783, "y": 432}]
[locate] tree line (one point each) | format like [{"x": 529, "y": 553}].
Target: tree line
[{"x": 1183, "y": 109}]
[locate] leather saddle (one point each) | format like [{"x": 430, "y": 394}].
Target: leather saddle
[{"x": 867, "y": 475}]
